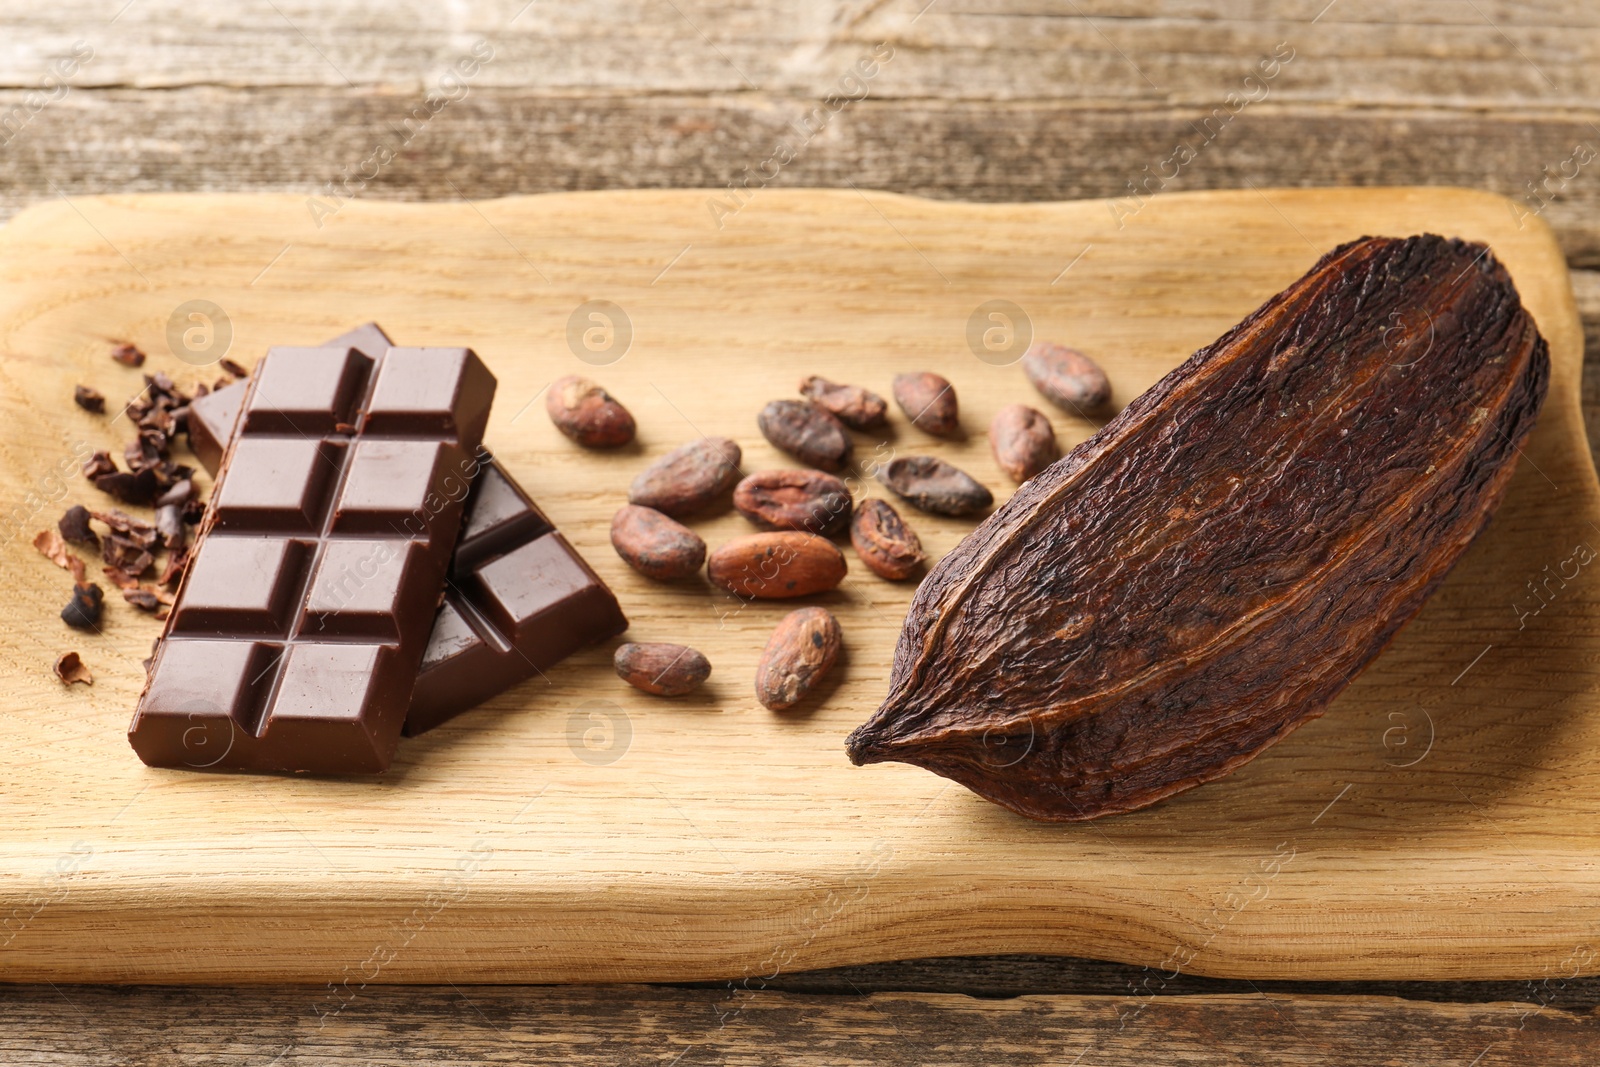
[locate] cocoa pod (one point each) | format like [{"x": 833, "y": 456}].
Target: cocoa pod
[
  {"x": 1023, "y": 440},
  {"x": 800, "y": 651},
  {"x": 929, "y": 401},
  {"x": 654, "y": 545},
  {"x": 689, "y": 478},
  {"x": 776, "y": 566},
  {"x": 1067, "y": 377},
  {"x": 1213, "y": 567},
  {"x": 888, "y": 547},
  {"x": 852, "y": 405},
  {"x": 934, "y": 486},
  {"x": 587, "y": 413},
  {"x": 810, "y": 501},
  {"x": 807, "y": 432},
  {"x": 661, "y": 669}
]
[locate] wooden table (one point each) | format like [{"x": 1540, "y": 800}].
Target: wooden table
[{"x": 977, "y": 99}]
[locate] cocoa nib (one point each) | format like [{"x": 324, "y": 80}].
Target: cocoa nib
[
  {"x": 83, "y": 610},
  {"x": 689, "y": 478},
  {"x": 799, "y": 653},
  {"x": 888, "y": 547},
  {"x": 807, "y": 432},
  {"x": 934, "y": 486},
  {"x": 233, "y": 368},
  {"x": 661, "y": 669},
  {"x": 1067, "y": 377},
  {"x": 91, "y": 400},
  {"x": 929, "y": 401},
  {"x": 70, "y": 668},
  {"x": 1023, "y": 440},
  {"x": 74, "y": 526},
  {"x": 127, "y": 354},
  {"x": 587, "y": 413},
  {"x": 654, "y": 545},
  {"x": 1214, "y": 566},
  {"x": 852, "y": 405},
  {"x": 810, "y": 501}
]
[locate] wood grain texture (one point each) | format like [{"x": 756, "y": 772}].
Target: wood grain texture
[
  {"x": 455, "y": 1025},
  {"x": 576, "y": 830}
]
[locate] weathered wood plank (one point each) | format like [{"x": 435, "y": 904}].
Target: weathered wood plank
[
  {"x": 496, "y": 143},
  {"x": 449, "y": 1026}
]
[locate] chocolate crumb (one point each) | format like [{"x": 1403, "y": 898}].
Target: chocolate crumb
[
  {"x": 233, "y": 368},
  {"x": 70, "y": 668},
  {"x": 91, "y": 400},
  {"x": 128, "y": 355},
  {"x": 83, "y": 610}
]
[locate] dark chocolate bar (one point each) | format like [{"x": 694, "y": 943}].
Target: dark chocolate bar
[
  {"x": 520, "y": 599},
  {"x": 302, "y": 621}
]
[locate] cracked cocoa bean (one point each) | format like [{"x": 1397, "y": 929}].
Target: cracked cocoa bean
[
  {"x": 932, "y": 485},
  {"x": 776, "y": 566},
  {"x": 588, "y": 414},
  {"x": 857, "y": 408},
  {"x": 888, "y": 547},
  {"x": 1067, "y": 377},
  {"x": 810, "y": 501},
  {"x": 808, "y": 432},
  {"x": 654, "y": 545},
  {"x": 661, "y": 669},
  {"x": 1023, "y": 440},
  {"x": 689, "y": 478},
  {"x": 799, "y": 653},
  {"x": 929, "y": 401}
]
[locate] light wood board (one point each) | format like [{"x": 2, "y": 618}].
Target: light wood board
[{"x": 1439, "y": 822}]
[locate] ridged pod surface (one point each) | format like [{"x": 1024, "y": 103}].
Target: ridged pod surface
[{"x": 1215, "y": 565}]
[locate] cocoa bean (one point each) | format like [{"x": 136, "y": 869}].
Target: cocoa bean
[
  {"x": 1067, "y": 377},
  {"x": 654, "y": 545},
  {"x": 588, "y": 414},
  {"x": 800, "y": 651},
  {"x": 934, "y": 486},
  {"x": 808, "y": 432},
  {"x": 852, "y": 405},
  {"x": 810, "y": 501},
  {"x": 929, "y": 401},
  {"x": 688, "y": 478},
  {"x": 888, "y": 547},
  {"x": 1023, "y": 440},
  {"x": 776, "y": 566},
  {"x": 662, "y": 669}
]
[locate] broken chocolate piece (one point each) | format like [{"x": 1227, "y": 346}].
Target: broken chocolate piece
[
  {"x": 1213, "y": 567},
  {"x": 303, "y": 618}
]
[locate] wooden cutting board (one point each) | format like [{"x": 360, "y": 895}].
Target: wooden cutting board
[{"x": 1442, "y": 821}]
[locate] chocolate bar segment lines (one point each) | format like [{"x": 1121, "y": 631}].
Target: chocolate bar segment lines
[{"x": 297, "y": 634}]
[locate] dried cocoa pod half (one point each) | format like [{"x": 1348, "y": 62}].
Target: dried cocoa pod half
[
  {"x": 776, "y": 566},
  {"x": 661, "y": 669},
  {"x": 857, "y": 408},
  {"x": 888, "y": 547},
  {"x": 808, "y": 432},
  {"x": 934, "y": 486},
  {"x": 809, "y": 501},
  {"x": 654, "y": 545},
  {"x": 1215, "y": 565},
  {"x": 689, "y": 478},
  {"x": 800, "y": 651},
  {"x": 588, "y": 414},
  {"x": 1023, "y": 440},
  {"x": 1067, "y": 377},
  {"x": 929, "y": 401}
]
